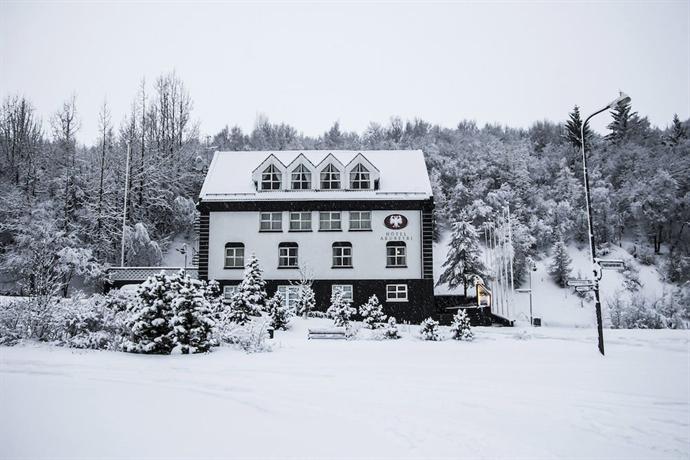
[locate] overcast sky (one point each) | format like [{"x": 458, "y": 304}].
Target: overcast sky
[{"x": 310, "y": 64}]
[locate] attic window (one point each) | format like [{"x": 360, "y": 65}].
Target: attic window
[
  {"x": 330, "y": 178},
  {"x": 360, "y": 178},
  {"x": 301, "y": 178},
  {"x": 270, "y": 178}
]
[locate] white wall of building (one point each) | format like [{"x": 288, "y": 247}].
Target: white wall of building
[{"x": 315, "y": 248}]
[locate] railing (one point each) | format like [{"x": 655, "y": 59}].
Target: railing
[{"x": 133, "y": 274}]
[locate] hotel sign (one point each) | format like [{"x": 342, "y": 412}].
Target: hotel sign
[{"x": 395, "y": 221}]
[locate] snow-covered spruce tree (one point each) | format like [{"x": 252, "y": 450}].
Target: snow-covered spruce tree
[
  {"x": 464, "y": 260},
  {"x": 192, "y": 318},
  {"x": 372, "y": 313},
  {"x": 278, "y": 312},
  {"x": 390, "y": 330},
  {"x": 560, "y": 265},
  {"x": 238, "y": 309},
  {"x": 340, "y": 310},
  {"x": 149, "y": 317},
  {"x": 252, "y": 289},
  {"x": 428, "y": 330},
  {"x": 572, "y": 130},
  {"x": 460, "y": 328},
  {"x": 306, "y": 301}
]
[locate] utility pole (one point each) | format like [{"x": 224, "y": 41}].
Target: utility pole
[{"x": 124, "y": 207}]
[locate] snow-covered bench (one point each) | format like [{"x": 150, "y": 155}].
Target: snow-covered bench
[{"x": 331, "y": 333}]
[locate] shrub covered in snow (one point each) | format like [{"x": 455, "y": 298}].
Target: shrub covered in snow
[
  {"x": 26, "y": 318},
  {"x": 251, "y": 337},
  {"x": 149, "y": 318},
  {"x": 94, "y": 322},
  {"x": 192, "y": 317},
  {"x": 252, "y": 289},
  {"x": 390, "y": 330},
  {"x": 372, "y": 313},
  {"x": 428, "y": 329},
  {"x": 671, "y": 310},
  {"x": 460, "y": 328},
  {"x": 278, "y": 312},
  {"x": 306, "y": 300},
  {"x": 340, "y": 310}
]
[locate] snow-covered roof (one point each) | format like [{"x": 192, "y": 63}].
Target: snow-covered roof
[{"x": 401, "y": 175}]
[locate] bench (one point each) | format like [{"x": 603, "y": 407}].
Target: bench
[{"x": 332, "y": 333}]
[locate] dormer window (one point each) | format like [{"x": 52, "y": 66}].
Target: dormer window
[
  {"x": 360, "y": 178},
  {"x": 270, "y": 178},
  {"x": 301, "y": 178},
  {"x": 330, "y": 178}
]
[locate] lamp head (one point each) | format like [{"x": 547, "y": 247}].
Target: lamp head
[{"x": 621, "y": 99}]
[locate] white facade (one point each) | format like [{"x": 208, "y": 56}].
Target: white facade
[{"x": 315, "y": 248}]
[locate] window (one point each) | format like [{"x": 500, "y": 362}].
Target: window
[
  {"x": 329, "y": 221},
  {"x": 347, "y": 291},
  {"x": 330, "y": 178},
  {"x": 287, "y": 255},
  {"x": 360, "y": 220},
  {"x": 396, "y": 254},
  {"x": 271, "y": 221},
  {"x": 229, "y": 291},
  {"x": 301, "y": 178},
  {"x": 290, "y": 296},
  {"x": 359, "y": 178},
  {"x": 270, "y": 178},
  {"x": 396, "y": 292},
  {"x": 300, "y": 221},
  {"x": 342, "y": 254},
  {"x": 234, "y": 255}
]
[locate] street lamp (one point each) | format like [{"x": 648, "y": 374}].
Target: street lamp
[{"x": 596, "y": 271}]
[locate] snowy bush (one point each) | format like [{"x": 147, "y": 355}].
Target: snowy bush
[
  {"x": 278, "y": 312},
  {"x": 372, "y": 313},
  {"x": 28, "y": 318},
  {"x": 671, "y": 310},
  {"x": 251, "y": 337},
  {"x": 428, "y": 329},
  {"x": 645, "y": 255},
  {"x": 149, "y": 318},
  {"x": 390, "y": 330},
  {"x": 460, "y": 328},
  {"x": 340, "y": 310},
  {"x": 317, "y": 314},
  {"x": 92, "y": 322},
  {"x": 192, "y": 318},
  {"x": 140, "y": 249}
]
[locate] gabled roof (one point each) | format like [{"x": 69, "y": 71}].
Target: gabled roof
[
  {"x": 328, "y": 159},
  {"x": 264, "y": 164},
  {"x": 402, "y": 173}
]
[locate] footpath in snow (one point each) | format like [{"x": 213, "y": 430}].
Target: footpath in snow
[{"x": 537, "y": 393}]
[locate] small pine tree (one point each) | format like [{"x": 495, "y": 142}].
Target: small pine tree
[
  {"x": 390, "y": 331},
  {"x": 306, "y": 300},
  {"x": 372, "y": 313},
  {"x": 560, "y": 268},
  {"x": 573, "y": 130},
  {"x": 429, "y": 329},
  {"x": 340, "y": 310},
  {"x": 239, "y": 309},
  {"x": 191, "y": 321},
  {"x": 278, "y": 312},
  {"x": 460, "y": 328},
  {"x": 252, "y": 289},
  {"x": 678, "y": 132},
  {"x": 464, "y": 260},
  {"x": 149, "y": 318},
  {"x": 214, "y": 295}
]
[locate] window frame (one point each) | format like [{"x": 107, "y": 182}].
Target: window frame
[
  {"x": 273, "y": 177},
  {"x": 348, "y": 287},
  {"x": 396, "y": 257},
  {"x": 397, "y": 291},
  {"x": 329, "y": 176},
  {"x": 330, "y": 221},
  {"x": 300, "y": 221},
  {"x": 271, "y": 222},
  {"x": 341, "y": 247},
  {"x": 357, "y": 176},
  {"x": 234, "y": 247},
  {"x": 285, "y": 254},
  {"x": 359, "y": 221},
  {"x": 301, "y": 176},
  {"x": 234, "y": 288},
  {"x": 290, "y": 295}
]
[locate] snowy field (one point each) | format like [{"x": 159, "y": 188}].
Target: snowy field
[{"x": 543, "y": 393}]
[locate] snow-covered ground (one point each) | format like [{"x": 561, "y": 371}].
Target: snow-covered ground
[{"x": 542, "y": 393}]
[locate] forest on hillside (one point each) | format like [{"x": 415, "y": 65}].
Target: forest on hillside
[{"x": 61, "y": 202}]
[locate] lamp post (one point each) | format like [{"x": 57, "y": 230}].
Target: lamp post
[{"x": 596, "y": 270}]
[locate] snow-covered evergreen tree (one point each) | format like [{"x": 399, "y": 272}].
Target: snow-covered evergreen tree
[
  {"x": 460, "y": 328},
  {"x": 192, "y": 319},
  {"x": 390, "y": 331},
  {"x": 428, "y": 329},
  {"x": 238, "y": 309},
  {"x": 560, "y": 269},
  {"x": 251, "y": 294},
  {"x": 149, "y": 318},
  {"x": 278, "y": 312},
  {"x": 306, "y": 300},
  {"x": 372, "y": 313},
  {"x": 340, "y": 310},
  {"x": 464, "y": 260}
]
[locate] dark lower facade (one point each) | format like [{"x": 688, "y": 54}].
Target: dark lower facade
[{"x": 419, "y": 304}]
